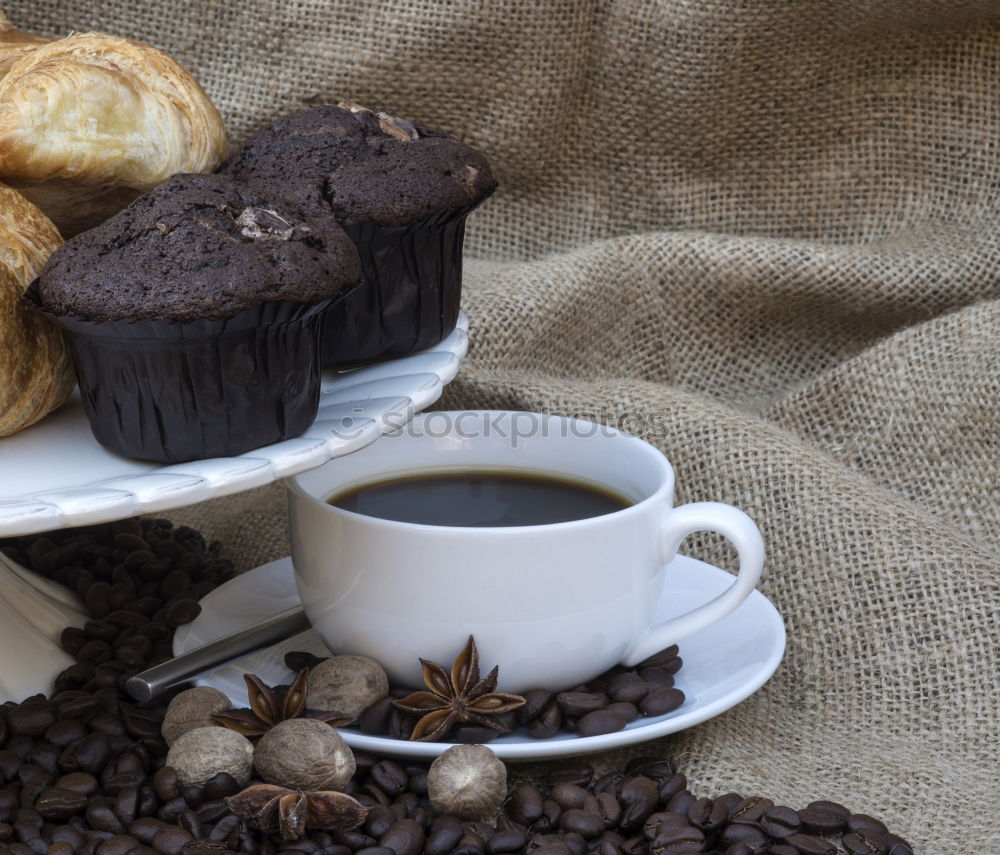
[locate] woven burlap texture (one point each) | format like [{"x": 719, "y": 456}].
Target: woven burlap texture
[{"x": 771, "y": 228}]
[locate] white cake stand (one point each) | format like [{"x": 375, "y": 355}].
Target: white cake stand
[{"x": 55, "y": 475}]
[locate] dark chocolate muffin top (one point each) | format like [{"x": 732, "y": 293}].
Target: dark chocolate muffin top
[
  {"x": 364, "y": 165},
  {"x": 198, "y": 246}
]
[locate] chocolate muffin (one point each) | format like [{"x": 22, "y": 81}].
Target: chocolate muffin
[
  {"x": 195, "y": 318},
  {"x": 402, "y": 192}
]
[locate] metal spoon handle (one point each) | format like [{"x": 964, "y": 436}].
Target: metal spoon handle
[{"x": 151, "y": 682}]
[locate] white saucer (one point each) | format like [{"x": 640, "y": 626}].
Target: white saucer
[{"x": 723, "y": 664}]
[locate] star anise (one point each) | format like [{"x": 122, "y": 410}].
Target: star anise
[
  {"x": 269, "y": 705},
  {"x": 294, "y": 812},
  {"x": 460, "y": 697}
]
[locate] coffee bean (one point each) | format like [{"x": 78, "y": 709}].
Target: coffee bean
[
  {"x": 668, "y": 787},
  {"x": 170, "y": 840},
  {"x": 379, "y": 820},
  {"x": 375, "y": 718},
  {"x": 858, "y": 822},
  {"x": 740, "y": 833},
  {"x": 779, "y": 822},
  {"x": 681, "y": 802},
  {"x": 101, "y": 816},
  {"x": 72, "y": 639},
  {"x": 45, "y": 755},
  {"x": 651, "y": 766},
  {"x": 78, "y": 782},
  {"x": 120, "y": 844},
  {"x": 707, "y": 815},
  {"x": 182, "y": 612},
  {"x": 389, "y": 776},
  {"x": 580, "y": 703},
  {"x": 406, "y": 837},
  {"x": 220, "y": 785},
  {"x": 638, "y": 797},
  {"x": 575, "y": 843},
  {"x": 535, "y": 700},
  {"x": 599, "y": 722},
  {"x": 165, "y": 784},
  {"x": 354, "y": 840},
  {"x": 525, "y": 805},
  {"x": 57, "y": 805},
  {"x": 443, "y": 840},
  {"x": 629, "y": 688},
  {"x": 31, "y": 717},
  {"x": 574, "y": 772},
  {"x": 19, "y": 746},
  {"x": 864, "y": 843},
  {"x": 188, "y": 820},
  {"x": 9, "y": 803},
  {"x": 749, "y": 847},
  {"x": 625, "y": 710},
  {"x": 808, "y": 844},
  {"x": 676, "y": 840},
  {"x": 750, "y": 810},
  {"x": 145, "y": 828},
  {"x": 667, "y": 819},
  {"x": 549, "y": 820},
  {"x": 896, "y": 845},
  {"x": 568, "y": 796},
  {"x": 661, "y": 701},
  {"x": 98, "y": 599},
  {"x": 108, "y": 724},
  {"x": 547, "y": 723},
  {"x": 656, "y": 678},
  {"x": 587, "y": 825},
  {"x": 552, "y": 849},
  {"x": 230, "y": 825},
  {"x": 816, "y": 820},
  {"x": 661, "y": 659},
  {"x": 782, "y": 849},
  {"x": 609, "y": 809},
  {"x": 470, "y": 844},
  {"x": 80, "y": 707},
  {"x": 502, "y": 842},
  {"x": 65, "y": 731}
]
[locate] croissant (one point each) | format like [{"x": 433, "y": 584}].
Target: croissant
[
  {"x": 36, "y": 371},
  {"x": 90, "y": 122},
  {"x": 14, "y": 43}
]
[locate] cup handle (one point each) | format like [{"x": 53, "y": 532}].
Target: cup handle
[{"x": 733, "y": 524}]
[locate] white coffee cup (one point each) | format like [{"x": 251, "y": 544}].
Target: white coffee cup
[{"x": 553, "y": 605}]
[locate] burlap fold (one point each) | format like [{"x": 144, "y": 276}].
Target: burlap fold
[{"x": 766, "y": 234}]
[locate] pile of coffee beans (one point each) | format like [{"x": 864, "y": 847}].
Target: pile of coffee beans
[
  {"x": 83, "y": 770},
  {"x": 138, "y": 581},
  {"x": 606, "y": 704}
]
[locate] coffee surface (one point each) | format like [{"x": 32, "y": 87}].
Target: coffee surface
[{"x": 480, "y": 499}]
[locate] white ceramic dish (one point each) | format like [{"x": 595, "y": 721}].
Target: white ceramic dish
[
  {"x": 55, "y": 474},
  {"x": 723, "y": 664}
]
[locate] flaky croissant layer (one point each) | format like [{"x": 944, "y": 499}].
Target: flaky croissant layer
[
  {"x": 89, "y": 122},
  {"x": 36, "y": 370}
]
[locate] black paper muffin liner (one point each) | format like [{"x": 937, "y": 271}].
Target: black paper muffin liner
[
  {"x": 411, "y": 292},
  {"x": 172, "y": 391}
]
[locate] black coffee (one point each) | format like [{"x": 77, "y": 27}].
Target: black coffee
[{"x": 480, "y": 499}]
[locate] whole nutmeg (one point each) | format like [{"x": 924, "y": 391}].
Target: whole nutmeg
[
  {"x": 201, "y": 753},
  {"x": 349, "y": 684},
  {"x": 191, "y": 709},
  {"x": 468, "y": 781},
  {"x": 304, "y": 754}
]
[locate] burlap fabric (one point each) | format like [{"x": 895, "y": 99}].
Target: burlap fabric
[{"x": 769, "y": 227}]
